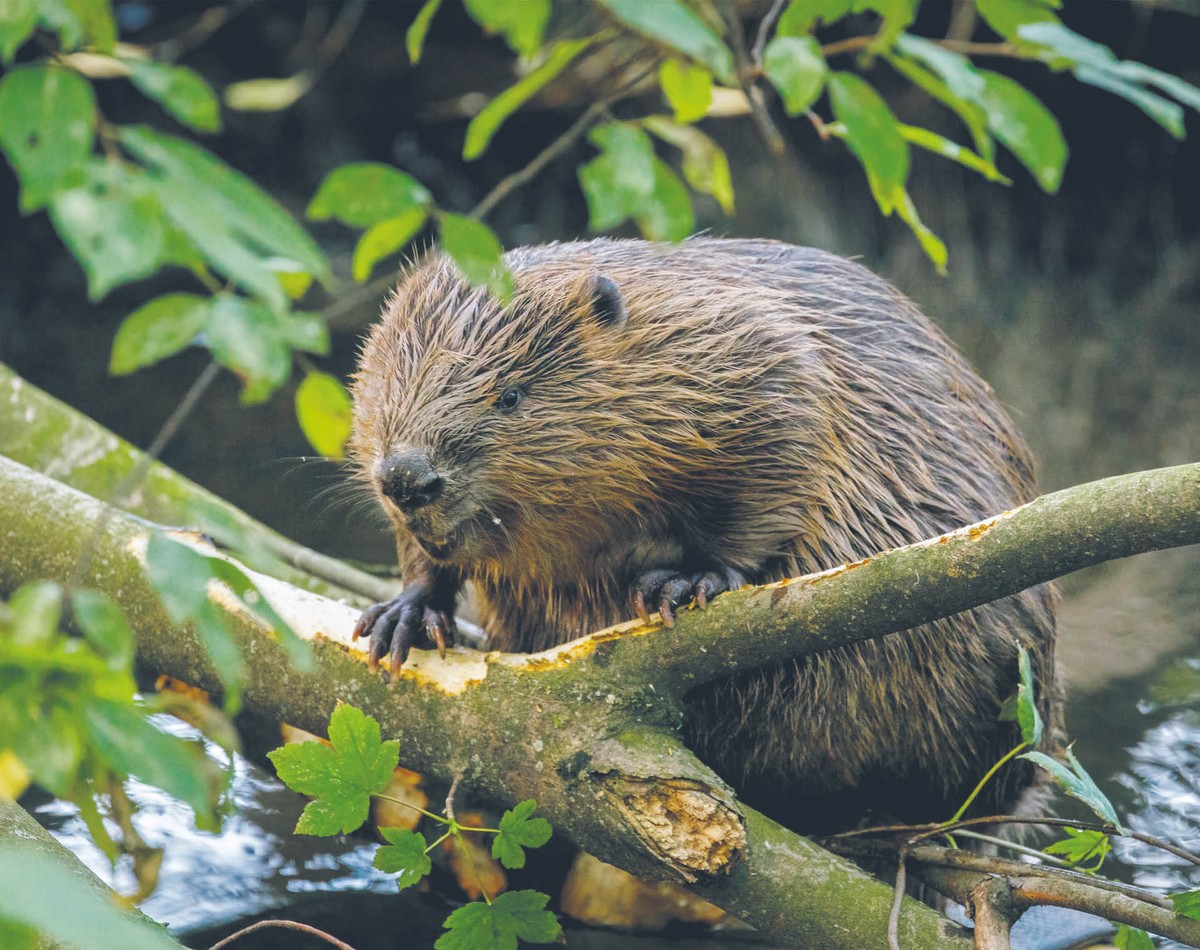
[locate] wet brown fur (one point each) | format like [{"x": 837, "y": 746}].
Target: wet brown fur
[{"x": 774, "y": 409}]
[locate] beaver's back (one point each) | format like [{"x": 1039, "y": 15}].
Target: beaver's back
[{"x": 868, "y": 431}]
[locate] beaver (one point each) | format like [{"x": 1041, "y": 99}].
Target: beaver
[{"x": 647, "y": 425}]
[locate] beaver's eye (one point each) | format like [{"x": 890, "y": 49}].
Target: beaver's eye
[{"x": 510, "y": 399}]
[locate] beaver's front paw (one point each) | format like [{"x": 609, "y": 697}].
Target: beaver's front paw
[
  {"x": 669, "y": 588},
  {"x": 407, "y": 621}
]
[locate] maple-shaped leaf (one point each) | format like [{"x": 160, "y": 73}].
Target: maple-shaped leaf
[
  {"x": 1082, "y": 845},
  {"x": 342, "y": 776},
  {"x": 1187, "y": 904},
  {"x": 405, "y": 856},
  {"x": 519, "y": 831},
  {"x": 496, "y": 926}
]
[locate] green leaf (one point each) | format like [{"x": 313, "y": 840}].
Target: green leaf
[
  {"x": 133, "y": 746},
  {"x": 621, "y": 179},
  {"x": 496, "y": 926},
  {"x": 1173, "y": 86},
  {"x": 269, "y": 94},
  {"x": 491, "y": 117},
  {"x": 473, "y": 927},
  {"x": 1082, "y": 845},
  {"x": 1094, "y": 64},
  {"x": 36, "y": 608},
  {"x": 519, "y": 831},
  {"x": 1187, "y": 904},
  {"x": 676, "y": 26},
  {"x": 324, "y": 411},
  {"x": 931, "y": 141},
  {"x": 1131, "y": 938},
  {"x": 931, "y": 244},
  {"x": 304, "y": 330},
  {"x": 35, "y": 888},
  {"x": 181, "y": 576},
  {"x": 1077, "y": 783},
  {"x": 688, "y": 89},
  {"x": 183, "y": 92},
  {"x": 414, "y": 39},
  {"x": 1007, "y": 17},
  {"x": 156, "y": 330},
  {"x": 104, "y": 626},
  {"x": 1025, "y": 127},
  {"x": 961, "y": 77},
  {"x": 244, "y": 337},
  {"x": 361, "y": 194},
  {"x": 18, "y": 19},
  {"x": 404, "y": 856},
  {"x": 970, "y": 113},
  {"x": 705, "y": 165},
  {"x": 522, "y": 24},
  {"x": 384, "y": 239},
  {"x": 293, "y": 278},
  {"x": 1163, "y": 111},
  {"x": 668, "y": 215},
  {"x": 112, "y": 224},
  {"x": 797, "y": 69},
  {"x": 524, "y": 914},
  {"x": 1027, "y": 712},
  {"x": 801, "y": 16},
  {"x": 81, "y": 22},
  {"x": 340, "y": 777},
  {"x": 477, "y": 253},
  {"x": 872, "y": 134},
  {"x": 226, "y": 214},
  {"x": 53, "y": 749},
  {"x": 47, "y": 126}
]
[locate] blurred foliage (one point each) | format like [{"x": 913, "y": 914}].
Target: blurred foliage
[{"x": 72, "y": 721}]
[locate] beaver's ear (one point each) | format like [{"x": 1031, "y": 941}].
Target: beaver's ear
[{"x": 603, "y": 302}]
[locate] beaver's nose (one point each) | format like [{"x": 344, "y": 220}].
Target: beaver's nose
[{"x": 409, "y": 479}]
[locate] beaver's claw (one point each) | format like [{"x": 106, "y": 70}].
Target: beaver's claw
[
  {"x": 669, "y": 588},
  {"x": 397, "y": 625}
]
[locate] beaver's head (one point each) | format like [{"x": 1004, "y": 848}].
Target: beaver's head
[{"x": 491, "y": 431}]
